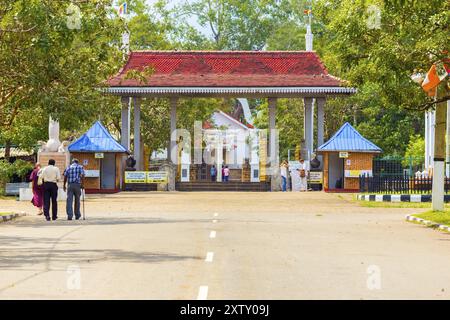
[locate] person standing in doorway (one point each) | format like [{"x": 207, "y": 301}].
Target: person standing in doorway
[
  {"x": 50, "y": 176},
  {"x": 226, "y": 174},
  {"x": 38, "y": 190},
  {"x": 213, "y": 172},
  {"x": 303, "y": 170},
  {"x": 73, "y": 177},
  {"x": 283, "y": 172}
]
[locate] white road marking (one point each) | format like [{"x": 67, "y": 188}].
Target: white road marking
[
  {"x": 209, "y": 257},
  {"x": 202, "y": 293},
  {"x": 212, "y": 234},
  {"x": 214, "y": 221}
]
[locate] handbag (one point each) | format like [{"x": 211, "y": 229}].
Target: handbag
[{"x": 40, "y": 181}]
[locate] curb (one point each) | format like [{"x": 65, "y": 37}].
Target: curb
[
  {"x": 428, "y": 223},
  {"x": 399, "y": 197},
  {"x": 11, "y": 216}
]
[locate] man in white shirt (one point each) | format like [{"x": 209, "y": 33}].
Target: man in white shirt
[{"x": 51, "y": 175}]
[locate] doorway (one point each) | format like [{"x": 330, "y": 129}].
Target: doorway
[
  {"x": 335, "y": 171},
  {"x": 108, "y": 172}
]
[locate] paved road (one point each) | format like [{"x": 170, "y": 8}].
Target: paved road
[{"x": 266, "y": 246}]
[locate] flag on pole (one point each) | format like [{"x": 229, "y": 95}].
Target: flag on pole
[
  {"x": 122, "y": 9},
  {"x": 435, "y": 75}
]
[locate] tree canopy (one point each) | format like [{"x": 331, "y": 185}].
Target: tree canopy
[{"x": 54, "y": 55}]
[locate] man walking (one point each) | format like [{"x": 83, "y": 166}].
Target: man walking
[
  {"x": 73, "y": 177},
  {"x": 50, "y": 176}
]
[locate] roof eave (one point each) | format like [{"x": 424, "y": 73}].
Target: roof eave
[
  {"x": 215, "y": 91},
  {"x": 358, "y": 151}
]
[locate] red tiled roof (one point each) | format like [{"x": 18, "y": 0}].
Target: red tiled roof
[{"x": 227, "y": 69}]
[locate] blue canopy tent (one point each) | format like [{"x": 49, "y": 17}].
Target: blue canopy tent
[
  {"x": 346, "y": 156},
  {"x": 96, "y": 139},
  {"x": 348, "y": 138},
  {"x": 101, "y": 155}
]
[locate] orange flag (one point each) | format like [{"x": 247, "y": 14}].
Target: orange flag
[
  {"x": 434, "y": 76},
  {"x": 431, "y": 81}
]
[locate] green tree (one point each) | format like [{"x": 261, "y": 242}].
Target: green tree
[
  {"x": 235, "y": 24},
  {"x": 415, "y": 152},
  {"x": 53, "y": 54},
  {"x": 376, "y": 46}
]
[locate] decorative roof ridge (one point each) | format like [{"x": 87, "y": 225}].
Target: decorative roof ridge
[{"x": 227, "y": 51}]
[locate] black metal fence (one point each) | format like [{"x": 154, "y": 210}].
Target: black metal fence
[
  {"x": 397, "y": 166},
  {"x": 398, "y": 184}
]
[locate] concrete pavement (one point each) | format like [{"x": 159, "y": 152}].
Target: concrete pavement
[{"x": 265, "y": 246}]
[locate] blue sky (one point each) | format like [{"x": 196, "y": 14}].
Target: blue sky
[{"x": 191, "y": 20}]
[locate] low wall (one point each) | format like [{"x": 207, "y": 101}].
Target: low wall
[{"x": 399, "y": 197}]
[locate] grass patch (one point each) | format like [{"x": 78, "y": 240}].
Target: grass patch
[
  {"x": 7, "y": 197},
  {"x": 440, "y": 217},
  {"x": 374, "y": 204},
  {"x": 5, "y": 213}
]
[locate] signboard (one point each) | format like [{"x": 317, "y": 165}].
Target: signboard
[
  {"x": 99, "y": 155},
  {"x": 135, "y": 177},
  {"x": 157, "y": 177},
  {"x": 316, "y": 177},
  {"x": 357, "y": 173},
  {"x": 92, "y": 173},
  {"x": 146, "y": 177},
  {"x": 343, "y": 154}
]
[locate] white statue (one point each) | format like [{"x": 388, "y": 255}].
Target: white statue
[
  {"x": 53, "y": 144},
  {"x": 64, "y": 147}
]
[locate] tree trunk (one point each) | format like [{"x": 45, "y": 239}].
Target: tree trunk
[
  {"x": 7, "y": 150},
  {"x": 439, "y": 151}
]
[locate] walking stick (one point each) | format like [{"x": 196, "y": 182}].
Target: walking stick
[{"x": 84, "y": 210}]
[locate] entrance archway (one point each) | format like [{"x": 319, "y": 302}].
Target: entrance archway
[{"x": 230, "y": 74}]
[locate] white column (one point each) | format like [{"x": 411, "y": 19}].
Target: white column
[
  {"x": 273, "y": 147},
  {"x": 254, "y": 162},
  {"x": 320, "y": 120},
  {"x": 309, "y": 38},
  {"x": 137, "y": 133},
  {"x": 173, "y": 154},
  {"x": 438, "y": 185},
  {"x": 219, "y": 155},
  {"x": 125, "y": 130},
  {"x": 308, "y": 125},
  {"x": 272, "y": 123}
]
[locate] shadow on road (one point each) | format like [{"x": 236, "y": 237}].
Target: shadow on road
[
  {"x": 14, "y": 257},
  {"x": 98, "y": 221}
]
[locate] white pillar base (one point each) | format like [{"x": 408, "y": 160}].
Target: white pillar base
[
  {"x": 254, "y": 168},
  {"x": 438, "y": 186}
]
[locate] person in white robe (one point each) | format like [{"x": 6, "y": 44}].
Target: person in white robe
[
  {"x": 295, "y": 178},
  {"x": 304, "y": 166}
]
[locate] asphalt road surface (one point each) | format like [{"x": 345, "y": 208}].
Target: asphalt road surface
[{"x": 223, "y": 246}]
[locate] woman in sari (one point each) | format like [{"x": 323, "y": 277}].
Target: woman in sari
[{"x": 38, "y": 191}]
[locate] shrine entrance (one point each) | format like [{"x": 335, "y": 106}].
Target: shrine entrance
[{"x": 227, "y": 74}]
